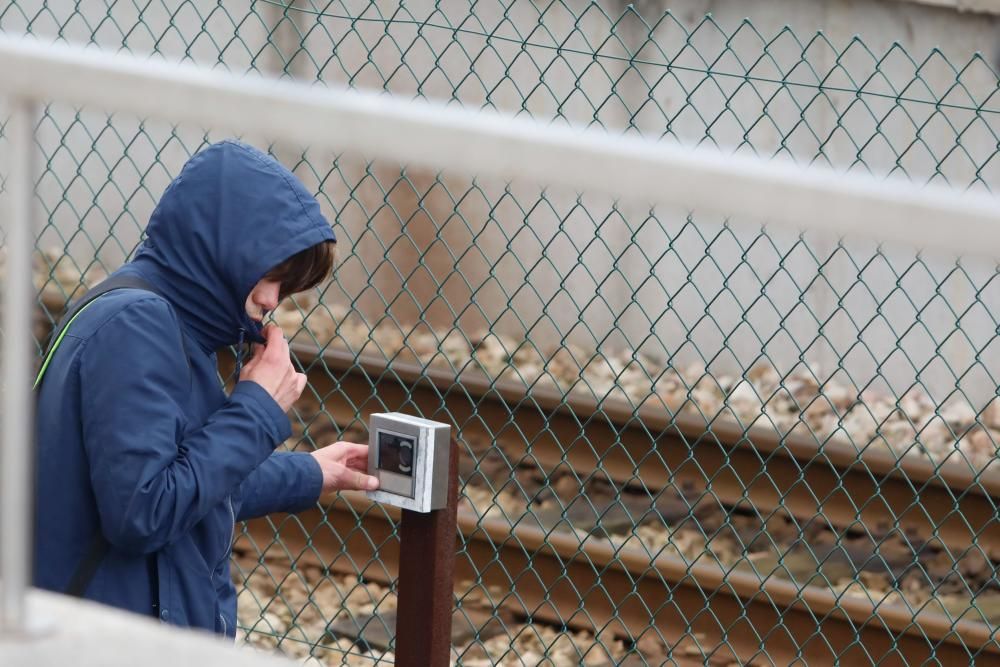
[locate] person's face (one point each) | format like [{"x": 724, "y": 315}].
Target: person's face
[{"x": 263, "y": 298}]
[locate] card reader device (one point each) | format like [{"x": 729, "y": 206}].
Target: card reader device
[{"x": 409, "y": 456}]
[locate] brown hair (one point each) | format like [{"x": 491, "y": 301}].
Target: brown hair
[{"x": 306, "y": 269}]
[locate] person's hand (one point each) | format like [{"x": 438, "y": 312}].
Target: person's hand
[
  {"x": 272, "y": 369},
  {"x": 345, "y": 467}
]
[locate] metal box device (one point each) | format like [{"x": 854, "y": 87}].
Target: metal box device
[{"x": 409, "y": 455}]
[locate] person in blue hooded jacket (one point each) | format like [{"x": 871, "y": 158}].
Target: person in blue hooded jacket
[{"x": 144, "y": 463}]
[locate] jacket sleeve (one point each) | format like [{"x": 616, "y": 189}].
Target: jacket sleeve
[
  {"x": 152, "y": 481},
  {"x": 285, "y": 482}
]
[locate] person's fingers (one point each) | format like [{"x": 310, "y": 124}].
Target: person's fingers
[
  {"x": 300, "y": 383},
  {"x": 268, "y": 333},
  {"x": 269, "y": 330},
  {"x": 276, "y": 347},
  {"x": 356, "y": 464},
  {"x": 338, "y": 477},
  {"x": 352, "y": 450},
  {"x": 353, "y": 456},
  {"x": 365, "y": 482}
]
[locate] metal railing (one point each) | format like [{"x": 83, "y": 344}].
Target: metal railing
[{"x": 15, "y": 484}]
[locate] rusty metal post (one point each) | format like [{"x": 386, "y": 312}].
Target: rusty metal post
[{"x": 426, "y": 580}]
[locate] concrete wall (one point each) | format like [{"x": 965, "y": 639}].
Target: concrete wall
[{"x": 588, "y": 269}]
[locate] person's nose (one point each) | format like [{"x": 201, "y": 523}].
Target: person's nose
[{"x": 268, "y": 300}]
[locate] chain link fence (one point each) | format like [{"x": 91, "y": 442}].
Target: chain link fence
[{"x": 681, "y": 440}]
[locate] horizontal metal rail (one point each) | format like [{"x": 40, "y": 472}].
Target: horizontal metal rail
[
  {"x": 486, "y": 143},
  {"x": 551, "y": 578},
  {"x": 755, "y": 467}
]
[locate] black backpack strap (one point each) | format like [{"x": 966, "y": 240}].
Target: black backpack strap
[
  {"x": 113, "y": 283},
  {"x": 98, "y": 547}
]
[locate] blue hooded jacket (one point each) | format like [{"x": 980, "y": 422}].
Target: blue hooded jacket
[{"x": 136, "y": 437}]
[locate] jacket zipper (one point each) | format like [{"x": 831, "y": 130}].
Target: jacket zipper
[
  {"x": 232, "y": 532},
  {"x": 229, "y": 547},
  {"x": 229, "y": 499}
]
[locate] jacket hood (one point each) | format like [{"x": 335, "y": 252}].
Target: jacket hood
[{"x": 232, "y": 215}]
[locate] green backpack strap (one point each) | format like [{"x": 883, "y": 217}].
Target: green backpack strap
[
  {"x": 55, "y": 344},
  {"x": 109, "y": 285}
]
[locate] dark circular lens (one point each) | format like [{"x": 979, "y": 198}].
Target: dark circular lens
[{"x": 406, "y": 455}]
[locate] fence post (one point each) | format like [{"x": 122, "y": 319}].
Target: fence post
[
  {"x": 426, "y": 580},
  {"x": 18, "y": 428}
]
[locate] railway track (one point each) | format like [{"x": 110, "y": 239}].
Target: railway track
[
  {"x": 546, "y": 577},
  {"x": 603, "y": 586},
  {"x": 340, "y": 619}
]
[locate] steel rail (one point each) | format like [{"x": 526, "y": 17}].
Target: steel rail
[
  {"x": 727, "y": 465},
  {"x": 555, "y": 579}
]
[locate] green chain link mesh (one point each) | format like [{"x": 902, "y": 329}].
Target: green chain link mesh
[{"x": 681, "y": 440}]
